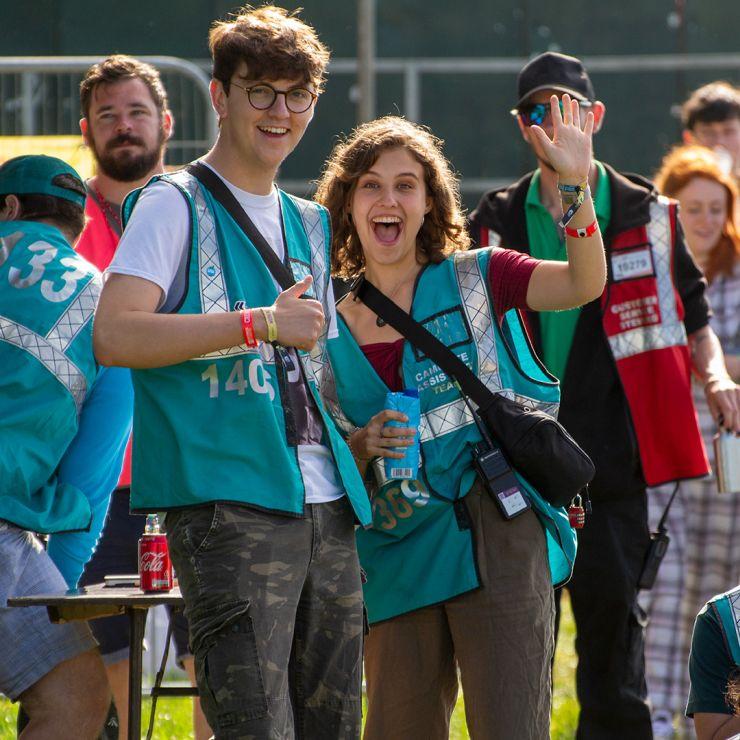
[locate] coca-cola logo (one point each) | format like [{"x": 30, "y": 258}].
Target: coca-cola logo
[{"x": 152, "y": 562}]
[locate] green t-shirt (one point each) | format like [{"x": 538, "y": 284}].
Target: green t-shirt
[
  {"x": 557, "y": 327},
  {"x": 710, "y": 666}
]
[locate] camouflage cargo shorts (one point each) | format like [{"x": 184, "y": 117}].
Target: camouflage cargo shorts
[{"x": 275, "y": 610}]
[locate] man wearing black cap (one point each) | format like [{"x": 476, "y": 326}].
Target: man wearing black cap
[
  {"x": 624, "y": 362},
  {"x": 64, "y": 421}
]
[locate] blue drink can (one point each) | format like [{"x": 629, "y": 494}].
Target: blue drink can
[{"x": 407, "y": 403}]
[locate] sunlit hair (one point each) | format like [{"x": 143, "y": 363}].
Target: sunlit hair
[
  {"x": 682, "y": 165},
  {"x": 274, "y": 43},
  {"x": 118, "y": 68},
  {"x": 443, "y": 230},
  {"x": 712, "y": 103},
  {"x": 733, "y": 692}
]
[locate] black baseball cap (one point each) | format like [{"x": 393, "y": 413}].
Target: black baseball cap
[{"x": 553, "y": 71}]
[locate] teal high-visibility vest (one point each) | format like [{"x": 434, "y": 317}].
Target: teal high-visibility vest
[
  {"x": 419, "y": 551},
  {"x": 213, "y": 428},
  {"x": 728, "y": 608},
  {"x": 47, "y": 297}
]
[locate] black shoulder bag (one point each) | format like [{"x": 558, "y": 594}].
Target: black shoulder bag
[{"x": 534, "y": 443}]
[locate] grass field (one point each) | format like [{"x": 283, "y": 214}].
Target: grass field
[{"x": 173, "y": 715}]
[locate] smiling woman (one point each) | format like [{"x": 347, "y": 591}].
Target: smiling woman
[
  {"x": 388, "y": 208},
  {"x": 387, "y": 148},
  {"x": 457, "y": 576}
]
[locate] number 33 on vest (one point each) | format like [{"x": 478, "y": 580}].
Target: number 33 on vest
[{"x": 254, "y": 376}]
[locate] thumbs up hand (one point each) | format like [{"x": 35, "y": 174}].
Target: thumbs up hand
[{"x": 299, "y": 320}]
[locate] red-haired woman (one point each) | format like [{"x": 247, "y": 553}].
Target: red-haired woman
[{"x": 704, "y": 555}]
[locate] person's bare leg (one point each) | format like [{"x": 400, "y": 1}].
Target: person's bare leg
[
  {"x": 200, "y": 724},
  {"x": 118, "y": 679},
  {"x": 70, "y": 702}
]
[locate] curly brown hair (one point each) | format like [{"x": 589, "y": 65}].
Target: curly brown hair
[
  {"x": 679, "y": 167},
  {"x": 443, "y": 230},
  {"x": 274, "y": 44}
]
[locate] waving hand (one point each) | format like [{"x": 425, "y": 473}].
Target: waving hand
[{"x": 569, "y": 150}]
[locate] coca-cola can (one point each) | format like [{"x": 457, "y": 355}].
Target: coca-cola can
[{"x": 155, "y": 566}]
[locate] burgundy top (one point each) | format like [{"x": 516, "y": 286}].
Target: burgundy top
[{"x": 508, "y": 280}]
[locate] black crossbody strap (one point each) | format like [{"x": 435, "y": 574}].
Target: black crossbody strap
[
  {"x": 424, "y": 340},
  {"x": 226, "y": 198}
]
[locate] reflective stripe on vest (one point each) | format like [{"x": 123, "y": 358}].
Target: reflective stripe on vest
[
  {"x": 733, "y": 599},
  {"x": 78, "y": 313},
  {"x": 455, "y": 415},
  {"x": 212, "y": 286},
  {"x": 214, "y": 297},
  {"x": 642, "y": 317},
  {"x": 727, "y": 607},
  {"x": 670, "y": 332},
  {"x": 49, "y": 350},
  {"x": 476, "y": 304},
  {"x": 314, "y": 226}
]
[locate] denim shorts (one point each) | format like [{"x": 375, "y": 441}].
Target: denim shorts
[{"x": 31, "y": 644}]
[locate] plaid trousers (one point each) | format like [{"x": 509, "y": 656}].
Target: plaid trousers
[{"x": 703, "y": 559}]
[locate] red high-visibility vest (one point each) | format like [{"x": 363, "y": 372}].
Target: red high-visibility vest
[
  {"x": 643, "y": 320},
  {"x": 97, "y": 244}
]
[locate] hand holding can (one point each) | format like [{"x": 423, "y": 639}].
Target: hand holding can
[{"x": 407, "y": 403}]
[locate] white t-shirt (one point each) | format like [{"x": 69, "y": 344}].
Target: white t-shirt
[{"x": 155, "y": 246}]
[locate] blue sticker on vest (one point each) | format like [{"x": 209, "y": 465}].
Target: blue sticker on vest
[
  {"x": 301, "y": 269},
  {"x": 449, "y": 327}
]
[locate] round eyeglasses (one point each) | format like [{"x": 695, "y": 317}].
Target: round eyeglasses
[
  {"x": 535, "y": 113},
  {"x": 263, "y": 96}
]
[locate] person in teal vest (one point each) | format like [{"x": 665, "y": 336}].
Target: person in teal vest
[
  {"x": 230, "y": 436},
  {"x": 714, "y": 664},
  {"x": 452, "y": 580},
  {"x": 64, "y": 421}
]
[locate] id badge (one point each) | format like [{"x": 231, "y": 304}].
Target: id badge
[{"x": 512, "y": 502}]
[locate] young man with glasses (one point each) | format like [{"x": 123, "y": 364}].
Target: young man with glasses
[
  {"x": 624, "y": 362},
  {"x": 230, "y": 437}
]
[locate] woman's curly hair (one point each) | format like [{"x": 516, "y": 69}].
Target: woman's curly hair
[{"x": 443, "y": 230}]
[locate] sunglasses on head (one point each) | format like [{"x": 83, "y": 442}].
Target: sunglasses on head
[{"x": 535, "y": 113}]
